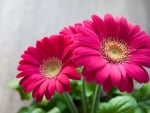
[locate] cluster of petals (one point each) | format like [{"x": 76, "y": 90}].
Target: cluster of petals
[
  {"x": 47, "y": 67},
  {"x": 113, "y": 52}
]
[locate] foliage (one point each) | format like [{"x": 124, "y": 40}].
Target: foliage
[{"x": 112, "y": 102}]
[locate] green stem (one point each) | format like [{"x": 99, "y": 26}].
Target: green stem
[
  {"x": 96, "y": 99},
  {"x": 83, "y": 96},
  {"x": 70, "y": 103}
]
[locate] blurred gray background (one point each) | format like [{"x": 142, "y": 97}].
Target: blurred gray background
[{"x": 22, "y": 22}]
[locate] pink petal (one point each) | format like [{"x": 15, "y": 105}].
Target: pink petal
[
  {"x": 107, "y": 85},
  {"x": 29, "y": 79},
  {"x": 33, "y": 85},
  {"x": 95, "y": 63},
  {"x": 134, "y": 29},
  {"x": 40, "y": 49},
  {"x": 33, "y": 52},
  {"x": 59, "y": 87},
  {"x": 43, "y": 87},
  {"x": 52, "y": 87},
  {"x": 130, "y": 85},
  {"x": 115, "y": 74},
  {"x": 47, "y": 94},
  {"x": 47, "y": 49},
  {"x": 63, "y": 45},
  {"x": 67, "y": 88},
  {"x": 139, "y": 42},
  {"x": 88, "y": 24},
  {"x": 91, "y": 42},
  {"x": 39, "y": 98},
  {"x": 140, "y": 60},
  {"x": 31, "y": 59},
  {"x": 91, "y": 39},
  {"x": 144, "y": 51},
  {"x": 63, "y": 79},
  {"x": 84, "y": 51},
  {"x": 21, "y": 74},
  {"x": 88, "y": 33},
  {"x": 99, "y": 25},
  {"x": 53, "y": 45},
  {"x": 35, "y": 92},
  {"x": 123, "y": 29},
  {"x": 103, "y": 74},
  {"x": 137, "y": 72},
  {"x": 89, "y": 75},
  {"x": 110, "y": 25},
  {"x": 27, "y": 67},
  {"x": 124, "y": 79},
  {"x": 71, "y": 72}
]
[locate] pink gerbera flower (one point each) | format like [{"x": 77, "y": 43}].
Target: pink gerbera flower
[
  {"x": 47, "y": 67},
  {"x": 113, "y": 52}
]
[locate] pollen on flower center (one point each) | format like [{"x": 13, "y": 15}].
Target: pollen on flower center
[
  {"x": 114, "y": 51},
  {"x": 51, "y": 67}
]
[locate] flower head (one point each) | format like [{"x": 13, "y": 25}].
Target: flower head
[
  {"x": 113, "y": 52},
  {"x": 47, "y": 67}
]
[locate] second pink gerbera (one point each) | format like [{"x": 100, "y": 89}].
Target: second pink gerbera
[
  {"x": 113, "y": 52},
  {"x": 47, "y": 67}
]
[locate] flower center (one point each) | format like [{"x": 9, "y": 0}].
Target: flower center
[
  {"x": 51, "y": 67},
  {"x": 114, "y": 51}
]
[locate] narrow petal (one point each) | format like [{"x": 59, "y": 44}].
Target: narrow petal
[
  {"x": 33, "y": 85},
  {"x": 47, "y": 93},
  {"x": 107, "y": 85},
  {"x": 27, "y": 67},
  {"x": 137, "y": 72},
  {"x": 89, "y": 75},
  {"x": 140, "y": 60},
  {"x": 103, "y": 74},
  {"x": 31, "y": 59},
  {"x": 43, "y": 87},
  {"x": 96, "y": 63},
  {"x": 21, "y": 74},
  {"x": 88, "y": 33},
  {"x": 52, "y": 86},
  {"x": 39, "y": 98},
  {"x": 63, "y": 79},
  {"x": 110, "y": 25},
  {"x": 71, "y": 72},
  {"x": 99, "y": 25},
  {"x": 115, "y": 74},
  {"x": 59, "y": 87},
  {"x": 130, "y": 85},
  {"x": 124, "y": 79},
  {"x": 33, "y": 52},
  {"x": 29, "y": 79},
  {"x": 83, "y": 51},
  {"x": 123, "y": 30},
  {"x": 90, "y": 42}
]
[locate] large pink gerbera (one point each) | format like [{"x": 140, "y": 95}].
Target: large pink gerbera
[
  {"x": 113, "y": 52},
  {"x": 47, "y": 67}
]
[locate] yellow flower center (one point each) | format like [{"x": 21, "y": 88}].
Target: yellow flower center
[
  {"x": 114, "y": 51},
  {"x": 51, "y": 67}
]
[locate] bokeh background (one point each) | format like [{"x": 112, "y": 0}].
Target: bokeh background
[{"x": 22, "y": 22}]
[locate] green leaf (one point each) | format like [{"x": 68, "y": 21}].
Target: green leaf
[
  {"x": 14, "y": 84},
  {"x": 119, "y": 104},
  {"x": 54, "y": 110},
  {"x": 26, "y": 109},
  {"x": 38, "y": 110},
  {"x": 31, "y": 109},
  {"x": 142, "y": 95}
]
